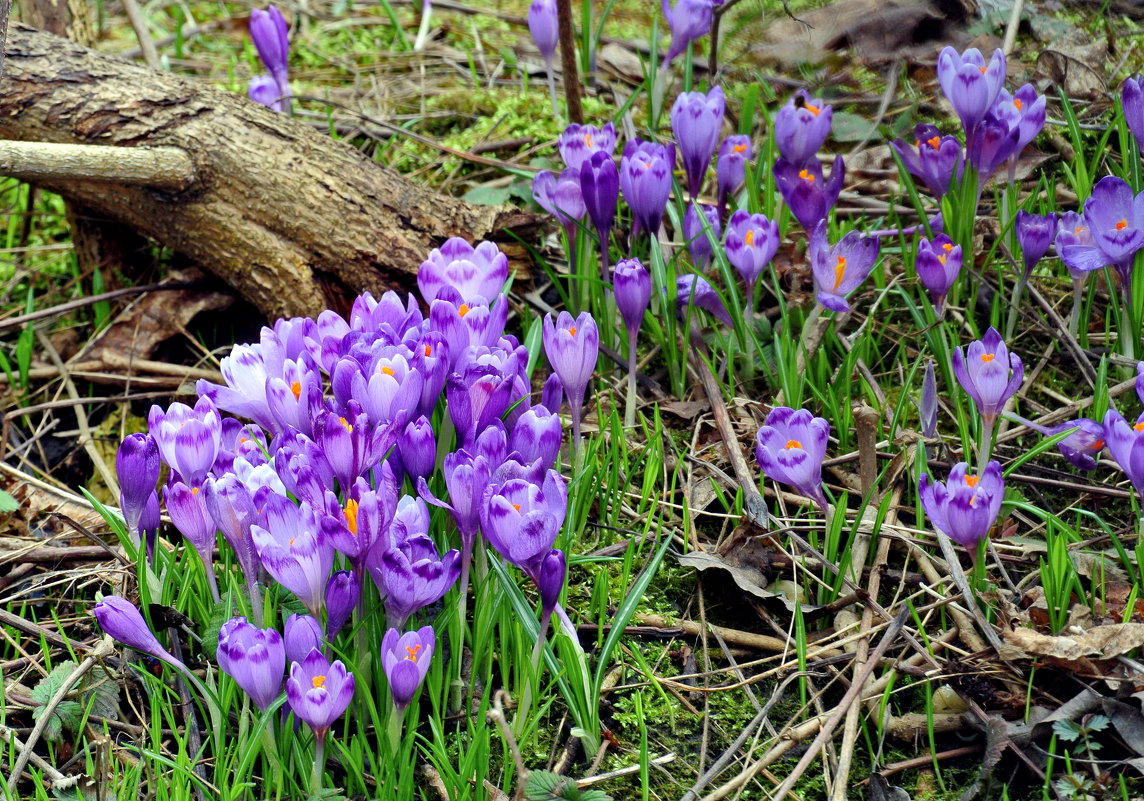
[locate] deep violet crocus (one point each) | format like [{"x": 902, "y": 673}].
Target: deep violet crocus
[
  {"x": 731, "y": 167},
  {"x": 1115, "y": 221},
  {"x": 578, "y": 143},
  {"x": 255, "y": 658},
  {"x": 965, "y": 507},
  {"x": 970, "y": 85},
  {"x": 809, "y": 196},
  {"x": 838, "y": 270},
  {"x": 121, "y": 619},
  {"x": 474, "y": 272},
  {"x": 1073, "y": 230},
  {"x": 418, "y": 448},
  {"x": 801, "y": 128},
  {"x": 927, "y": 405},
  {"x": 694, "y": 233},
  {"x": 406, "y": 659},
  {"x": 791, "y": 447},
  {"x": 1132, "y": 101},
  {"x": 1035, "y": 233},
  {"x": 572, "y": 345},
  {"x": 342, "y": 594},
  {"x": 1079, "y": 448},
  {"x": 137, "y": 468},
  {"x": 933, "y": 159},
  {"x": 988, "y": 373},
  {"x": 302, "y": 635},
  {"x": 995, "y": 140},
  {"x": 938, "y": 263},
  {"x": 600, "y": 188},
  {"x": 696, "y": 120},
  {"x": 521, "y": 519},
  {"x": 1126, "y": 444},
  {"x": 645, "y": 180},
  {"x": 1023, "y": 110},
  {"x": 752, "y": 241},
  {"x": 632, "y": 285},
  {"x": 1140, "y": 381},
  {"x": 411, "y": 576}
]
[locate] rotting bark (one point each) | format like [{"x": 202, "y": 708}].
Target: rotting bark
[{"x": 293, "y": 220}]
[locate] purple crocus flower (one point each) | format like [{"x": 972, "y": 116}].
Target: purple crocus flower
[
  {"x": 988, "y": 373},
  {"x": 1023, "y": 110},
  {"x": 188, "y": 510},
  {"x": 791, "y": 447},
  {"x": 270, "y": 34},
  {"x": 188, "y": 439},
  {"x": 1140, "y": 381},
  {"x": 698, "y": 244},
  {"x": 970, "y": 85},
  {"x": 1115, "y": 221},
  {"x": 752, "y": 241},
  {"x": 572, "y": 345},
  {"x": 149, "y": 524},
  {"x": 994, "y": 141},
  {"x": 121, "y": 619},
  {"x": 1081, "y": 447},
  {"x": 405, "y": 658},
  {"x": 544, "y": 27},
  {"x": 938, "y": 263},
  {"x": 927, "y": 406},
  {"x": 561, "y": 197},
  {"x": 474, "y": 272},
  {"x": 418, "y": 448},
  {"x": 521, "y": 519},
  {"x": 840, "y": 269},
  {"x": 231, "y": 507},
  {"x": 801, "y": 128},
  {"x": 1035, "y": 232},
  {"x": 263, "y": 90},
  {"x": 632, "y": 284},
  {"x": 319, "y": 692},
  {"x": 466, "y": 476},
  {"x": 809, "y": 197},
  {"x": 578, "y": 143},
  {"x": 411, "y": 576},
  {"x": 352, "y": 444},
  {"x": 550, "y": 579},
  {"x": 934, "y": 159},
  {"x": 294, "y": 398},
  {"x": 389, "y": 392},
  {"x": 731, "y": 166},
  {"x": 1126, "y": 444},
  {"x": 696, "y": 119},
  {"x": 302, "y": 635},
  {"x": 552, "y": 394},
  {"x": 645, "y": 180},
  {"x": 137, "y": 467},
  {"x": 342, "y": 594},
  {"x": 1073, "y": 230},
  {"x": 600, "y": 188},
  {"x": 255, "y": 658},
  {"x": 293, "y": 548},
  {"x": 694, "y": 290},
  {"x": 965, "y": 507},
  {"x": 1132, "y": 102},
  {"x": 467, "y": 323},
  {"x": 536, "y": 437},
  {"x": 688, "y": 20}
]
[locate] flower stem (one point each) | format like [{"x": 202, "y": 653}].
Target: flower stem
[
  {"x": 1014, "y": 306},
  {"x": 319, "y": 763},
  {"x": 255, "y": 602},
  {"x": 521, "y": 719},
  {"x": 630, "y": 407},
  {"x": 458, "y": 684},
  {"x": 423, "y": 28},
  {"x": 1074, "y": 316},
  {"x": 395, "y": 721},
  {"x": 270, "y": 749},
  {"x": 985, "y": 446},
  {"x": 552, "y": 92}
]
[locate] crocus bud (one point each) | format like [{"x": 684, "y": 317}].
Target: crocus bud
[
  {"x": 149, "y": 523},
  {"x": 600, "y": 189},
  {"x": 536, "y": 436},
  {"x": 694, "y": 290},
  {"x": 405, "y": 658},
  {"x": 552, "y": 395},
  {"x": 688, "y": 20},
  {"x": 342, "y": 594},
  {"x": 927, "y": 406},
  {"x": 550, "y": 579},
  {"x": 993, "y": 142},
  {"x": 319, "y": 692},
  {"x": 731, "y": 165},
  {"x": 1035, "y": 232},
  {"x": 1140, "y": 381},
  {"x": 561, "y": 197},
  {"x": 698, "y": 245},
  {"x": 254, "y": 658},
  {"x": 122, "y": 620},
  {"x": 1132, "y": 101},
  {"x": 632, "y": 285},
  {"x": 801, "y": 128},
  {"x": 263, "y": 89},
  {"x": 572, "y": 345},
  {"x": 969, "y": 84},
  {"x": 303, "y": 634},
  {"x": 752, "y": 241},
  {"x": 645, "y": 180},
  {"x": 791, "y": 447},
  {"x": 418, "y": 447},
  {"x": 543, "y": 25},
  {"x": 966, "y": 506},
  {"x": 984, "y": 373},
  {"x": 271, "y": 39},
  {"x": 938, "y": 263},
  {"x": 137, "y": 467},
  {"x": 696, "y": 119},
  {"x": 188, "y": 510},
  {"x": 838, "y": 270}
]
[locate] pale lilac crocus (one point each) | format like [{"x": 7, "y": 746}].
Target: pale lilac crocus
[
  {"x": 696, "y": 120},
  {"x": 752, "y": 241},
  {"x": 572, "y": 345}
]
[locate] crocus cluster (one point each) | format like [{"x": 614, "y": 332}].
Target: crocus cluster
[
  {"x": 323, "y": 483},
  {"x": 271, "y": 39}
]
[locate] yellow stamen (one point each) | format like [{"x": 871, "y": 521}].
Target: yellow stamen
[
  {"x": 839, "y": 271},
  {"x": 934, "y": 142},
  {"x": 350, "y": 511},
  {"x": 412, "y": 651},
  {"x": 792, "y": 443},
  {"x": 346, "y": 423},
  {"x": 941, "y": 259},
  {"x": 587, "y": 140},
  {"x": 296, "y": 388},
  {"x": 749, "y": 239},
  {"x": 387, "y": 370},
  {"x": 194, "y": 490},
  {"x": 806, "y": 176},
  {"x": 988, "y": 357},
  {"x": 318, "y": 682}
]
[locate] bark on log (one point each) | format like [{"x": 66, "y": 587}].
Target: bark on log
[{"x": 295, "y": 221}]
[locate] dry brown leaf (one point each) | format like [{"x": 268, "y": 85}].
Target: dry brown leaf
[{"x": 1101, "y": 642}]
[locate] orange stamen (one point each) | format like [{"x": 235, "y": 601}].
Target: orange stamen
[
  {"x": 982, "y": 70},
  {"x": 934, "y": 142},
  {"x": 318, "y": 681},
  {"x": 588, "y": 140},
  {"x": 749, "y": 239},
  {"x": 346, "y": 423},
  {"x": 947, "y": 247},
  {"x": 740, "y": 148},
  {"x": 463, "y": 310},
  {"x": 813, "y": 109},
  {"x": 194, "y": 490},
  {"x": 839, "y": 271},
  {"x": 971, "y": 481},
  {"x": 1120, "y": 226},
  {"x": 350, "y": 512},
  {"x": 1139, "y": 426},
  {"x": 428, "y": 350},
  {"x": 1017, "y": 103},
  {"x": 572, "y": 331},
  {"x": 806, "y": 176},
  {"x": 296, "y": 388},
  {"x": 516, "y": 506},
  {"x": 988, "y": 357},
  {"x": 387, "y": 370},
  {"x": 792, "y": 443},
  {"x": 412, "y": 651},
  {"x": 1098, "y": 445}
]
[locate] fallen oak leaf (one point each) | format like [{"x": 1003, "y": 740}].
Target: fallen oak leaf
[{"x": 1101, "y": 642}]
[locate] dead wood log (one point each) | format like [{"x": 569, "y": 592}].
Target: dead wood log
[{"x": 293, "y": 220}]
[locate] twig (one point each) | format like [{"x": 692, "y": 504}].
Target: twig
[
  {"x": 105, "y": 648},
  {"x": 1011, "y": 28},
  {"x": 5, "y": 10},
  {"x": 496, "y": 714},
  {"x": 90, "y": 300},
  {"x": 146, "y": 43},
  {"x": 568, "y": 62},
  {"x": 851, "y": 697},
  {"x": 59, "y": 781}
]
